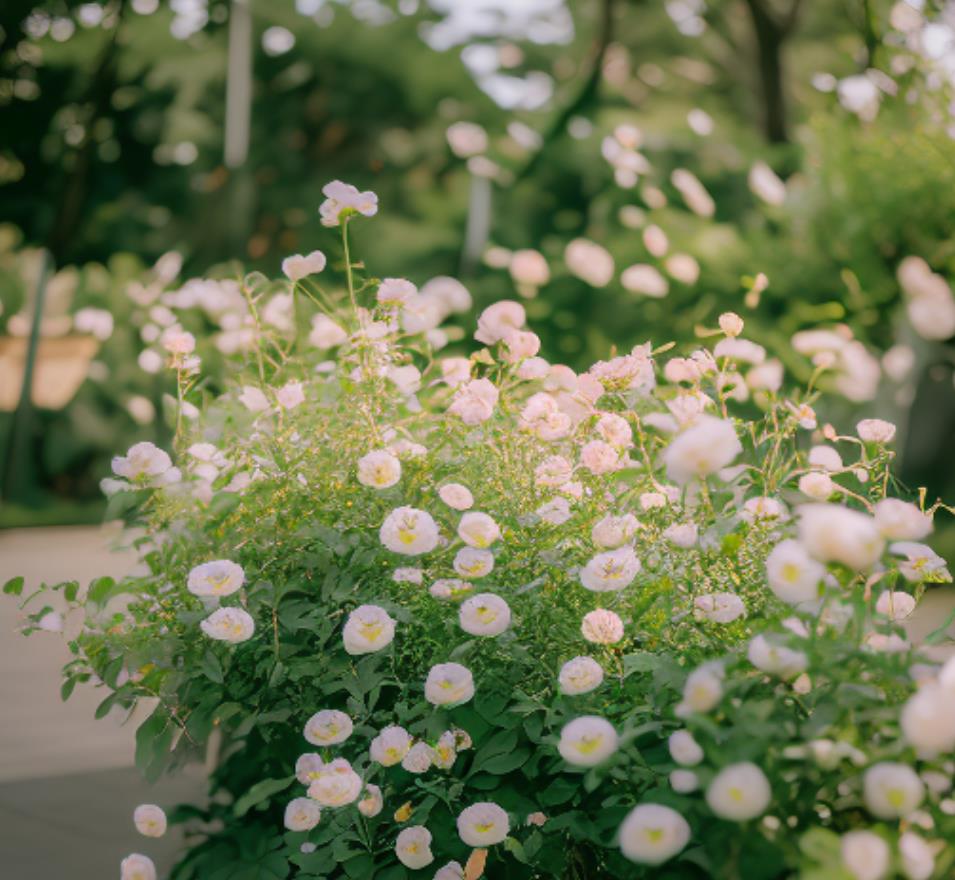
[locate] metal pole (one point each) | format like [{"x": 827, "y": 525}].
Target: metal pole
[{"x": 18, "y": 467}]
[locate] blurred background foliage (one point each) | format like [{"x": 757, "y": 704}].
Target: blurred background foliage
[{"x": 115, "y": 136}]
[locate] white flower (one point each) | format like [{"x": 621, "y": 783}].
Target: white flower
[
  {"x": 497, "y": 320},
  {"x": 483, "y": 824},
  {"x": 697, "y": 199},
  {"x": 297, "y": 267},
  {"x": 580, "y": 676},
  {"x": 817, "y": 485},
  {"x": 918, "y": 856},
  {"x": 895, "y": 604},
  {"x": 683, "y": 268},
  {"x": 684, "y": 781},
  {"x": 900, "y": 521},
  {"x": 177, "y": 342},
  {"x": 456, "y": 496},
  {"x": 413, "y": 847},
  {"x": 599, "y": 457},
  {"x": 892, "y": 790},
  {"x": 337, "y": 784},
  {"x": 370, "y": 805},
  {"x": 448, "y": 684},
  {"x": 406, "y": 379},
  {"x": 739, "y": 792},
  {"x": 614, "y": 531},
  {"x": 529, "y": 267},
  {"x": 229, "y": 625},
  {"x": 825, "y": 458},
  {"x": 290, "y": 395},
  {"x": 137, "y": 867},
  {"x": 484, "y": 615},
  {"x": 875, "y": 431},
  {"x": 865, "y": 855},
  {"x": 143, "y": 461},
  {"x": 719, "y": 607},
  {"x": 684, "y": 749},
  {"x": 707, "y": 446},
  {"x": 368, "y": 629},
  {"x": 451, "y": 871},
  {"x": 765, "y": 184},
  {"x": 308, "y": 767},
  {"x": 396, "y": 292},
  {"x": 97, "y": 322},
  {"x": 589, "y": 262},
  {"x": 683, "y": 535},
  {"x": 390, "y": 746},
  {"x": 409, "y": 531},
  {"x": 652, "y": 833},
  {"x": 474, "y": 401},
  {"x": 793, "y": 575},
  {"x": 150, "y": 820},
  {"x": 740, "y": 350},
  {"x": 445, "y": 751},
  {"x": 921, "y": 561},
  {"x": 253, "y": 399},
  {"x": 408, "y": 576},
  {"x": 832, "y": 533},
  {"x": 587, "y": 741},
  {"x": 325, "y": 333},
  {"x": 379, "y": 469},
  {"x": 645, "y": 279},
  {"x": 470, "y": 562},
  {"x": 928, "y": 720},
  {"x": 478, "y": 529},
  {"x": 702, "y": 691},
  {"x": 859, "y": 95},
  {"x": 344, "y": 198},
  {"x": 466, "y": 139},
  {"x": 218, "y": 578},
  {"x": 302, "y": 814},
  {"x": 602, "y": 627},
  {"x": 328, "y": 727},
  {"x": 555, "y": 512},
  {"x": 776, "y": 659},
  {"x": 450, "y": 588},
  {"x": 763, "y": 508},
  {"x": 612, "y": 570},
  {"x": 418, "y": 758}
]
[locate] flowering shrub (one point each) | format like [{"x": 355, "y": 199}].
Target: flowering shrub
[{"x": 483, "y": 616}]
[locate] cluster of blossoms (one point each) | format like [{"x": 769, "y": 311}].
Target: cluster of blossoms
[{"x": 529, "y": 615}]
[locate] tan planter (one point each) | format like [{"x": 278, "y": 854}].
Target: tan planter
[{"x": 61, "y": 366}]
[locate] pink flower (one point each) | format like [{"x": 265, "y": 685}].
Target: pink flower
[{"x": 474, "y": 401}]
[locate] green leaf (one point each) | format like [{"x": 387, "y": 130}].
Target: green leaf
[
  {"x": 933, "y": 638},
  {"x": 100, "y": 590},
  {"x": 211, "y": 667},
  {"x": 505, "y": 763},
  {"x": 260, "y": 792},
  {"x": 14, "y": 586}
]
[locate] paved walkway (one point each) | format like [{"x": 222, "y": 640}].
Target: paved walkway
[{"x": 67, "y": 782}]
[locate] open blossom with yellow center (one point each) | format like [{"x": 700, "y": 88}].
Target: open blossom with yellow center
[
  {"x": 587, "y": 741},
  {"x": 450, "y": 588},
  {"x": 137, "y": 867},
  {"x": 702, "y": 449},
  {"x": 739, "y": 792},
  {"x": 478, "y": 529},
  {"x": 413, "y": 847},
  {"x": 580, "y": 676},
  {"x": 612, "y": 570},
  {"x": 218, "y": 578},
  {"x": 409, "y": 531},
  {"x": 302, "y": 814},
  {"x": 328, "y": 728},
  {"x": 793, "y": 575},
  {"x": 892, "y": 790},
  {"x": 337, "y": 784},
  {"x": 229, "y": 625},
  {"x": 449, "y": 683},
  {"x": 483, "y": 824},
  {"x": 379, "y": 470},
  {"x": 368, "y": 629},
  {"x": 485, "y": 615},
  {"x": 308, "y": 767},
  {"x": 702, "y": 691},
  {"x": 471, "y": 562},
  {"x": 445, "y": 751},
  {"x": 150, "y": 820},
  {"x": 390, "y": 746},
  {"x": 653, "y": 833}
]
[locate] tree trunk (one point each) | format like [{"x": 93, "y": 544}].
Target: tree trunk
[{"x": 770, "y": 39}]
